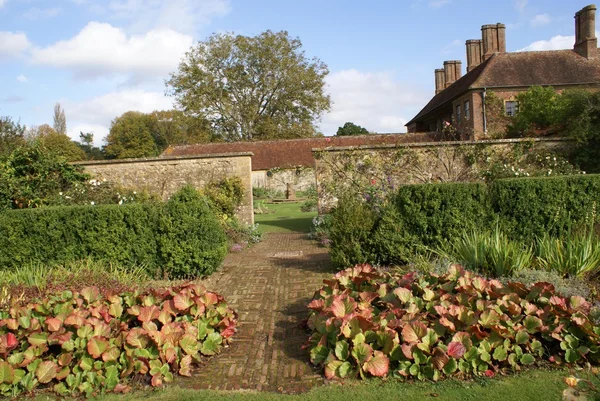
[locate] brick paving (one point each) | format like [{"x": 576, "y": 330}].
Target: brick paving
[{"x": 269, "y": 286}]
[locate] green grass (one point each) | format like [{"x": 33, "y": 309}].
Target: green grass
[
  {"x": 529, "y": 386},
  {"x": 285, "y": 218}
]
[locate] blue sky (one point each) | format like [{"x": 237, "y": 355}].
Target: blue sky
[{"x": 102, "y": 58}]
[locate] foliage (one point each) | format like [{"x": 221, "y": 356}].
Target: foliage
[
  {"x": 421, "y": 217},
  {"x": 225, "y": 195},
  {"x": 538, "y": 110},
  {"x": 176, "y": 239},
  {"x": 130, "y": 137},
  {"x": 252, "y": 88},
  {"x": 496, "y": 117},
  {"x": 366, "y": 323},
  {"x": 81, "y": 343},
  {"x": 12, "y": 136},
  {"x": 60, "y": 120},
  {"x": 309, "y": 205},
  {"x": 350, "y": 129},
  {"x": 31, "y": 177},
  {"x": 59, "y": 144},
  {"x": 570, "y": 256},
  {"x": 266, "y": 193},
  {"x": 489, "y": 253},
  {"x": 173, "y": 127},
  {"x": 86, "y": 143},
  {"x": 566, "y": 287},
  {"x": 260, "y": 207}
]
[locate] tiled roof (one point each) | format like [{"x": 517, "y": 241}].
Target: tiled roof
[
  {"x": 521, "y": 69},
  {"x": 293, "y": 152}
]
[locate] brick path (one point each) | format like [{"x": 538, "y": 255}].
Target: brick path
[{"x": 269, "y": 286}]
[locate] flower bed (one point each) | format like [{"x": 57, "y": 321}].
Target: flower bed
[
  {"x": 429, "y": 326},
  {"x": 85, "y": 342}
]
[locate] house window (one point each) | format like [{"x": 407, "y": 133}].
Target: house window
[
  {"x": 458, "y": 113},
  {"x": 467, "y": 110},
  {"x": 511, "y": 107}
]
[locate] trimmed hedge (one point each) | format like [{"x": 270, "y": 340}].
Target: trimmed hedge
[
  {"x": 179, "y": 238},
  {"x": 421, "y": 217}
]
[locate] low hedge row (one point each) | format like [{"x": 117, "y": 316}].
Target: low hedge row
[
  {"x": 179, "y": 238},
  {"x": 420, "y": 217}
]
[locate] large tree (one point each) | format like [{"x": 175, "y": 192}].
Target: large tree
[
  {"x": 252, "y": 88},
  {"x": 130, "y": 137},
  {"x": 12, "y": 135},
  {"x": 54, "y": 142},
  {"x": 350, "y": 129},
  {"x": 60, "y": 120}
]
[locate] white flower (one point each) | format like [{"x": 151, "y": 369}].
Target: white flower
[
  {"x": 92, "y": 203},
  {"x": 134, "y": 192},
  {"x": 121, "y": 202},
  {"x": 60, "y": 193}
]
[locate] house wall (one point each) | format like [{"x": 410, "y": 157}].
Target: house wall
[
  {"x": 165, "y": 176},
  {"x": 277, "y": 179}
]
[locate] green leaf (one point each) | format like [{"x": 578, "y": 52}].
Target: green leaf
[
  {"x": 362, "y": 353},
  {"x": 96, "y": 346},
  {"x": 532, "y": 324},
  {"x": 489, "y": 318},
  {"x": 46, "y": 371},
  {"x": 527, "y": 359},
  {"x": 319, "y": 354},
  {"x": 522, "y": 337},
  {"x": 450, "y": 366},
  {"x": 341, "y": 350},
  {"x": 189, "y": 344},
  {"x": 500, "y": 354},
  {"x": 38, "y": 338},
  {"x": 571, "y": 356},
  {"x": 7, "y": 373}
]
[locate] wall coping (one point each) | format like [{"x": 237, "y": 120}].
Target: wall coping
[
  {"x": 440, "y": 143},
  {"x": 162, "y": 159}
]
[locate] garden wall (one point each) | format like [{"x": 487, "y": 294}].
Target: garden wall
[
  {"x": 379, "y": 168},
  {"x": 164, "y": 176},
  {"x": 277, "y": 178}
]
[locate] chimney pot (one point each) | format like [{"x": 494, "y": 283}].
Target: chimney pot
[
  {"x": 452, "y": 71},
  {"x": 473, "y": 53},
  {"x": 493, "y": 37},
  {"x": 586, "y": 43}
]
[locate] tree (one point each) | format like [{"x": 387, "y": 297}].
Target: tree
[
  {"x": 86, "y": 143},
  {"x": 56, "y": 143},
  {"x": 60, "y": 121},
  {"x": 12, "y": 136},
  {"x": 130, "y": 137},
  {"x": 173, "y": 127},
  {"x": 350, "y": 129},
  {"x": 252, "y": 88}
]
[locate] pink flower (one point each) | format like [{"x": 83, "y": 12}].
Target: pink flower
[
  {"x": 489, "y": 373},
  {"x": 373, "y": 181},
  {"x": 327, "y": 139}
]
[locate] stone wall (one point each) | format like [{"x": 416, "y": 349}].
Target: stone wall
[
  {"x": 374, "y": 171},
  {"x": 165, "y": 176},
  {"x": 277, "y": 179}
]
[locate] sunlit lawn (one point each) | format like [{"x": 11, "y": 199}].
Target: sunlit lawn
[{"x": 285, "y": 218}]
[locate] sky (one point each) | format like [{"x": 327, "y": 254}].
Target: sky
[{"x": 101, "y": 58}]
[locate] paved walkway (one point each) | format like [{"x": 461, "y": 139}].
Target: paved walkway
[{"x": 269, "y": 286}]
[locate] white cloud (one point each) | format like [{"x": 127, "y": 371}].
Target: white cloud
[
  {"x": 520, "y": 5},
  {"x": 3, "y": 2},
  {"x": 22, "y": 78},
  {"x": 540, "y": 20},
  {"x": 41, "y": 13},
  {"x": 13, "y": 44},
  {"x": 557, "y": 42},
  {"x": 95, "y": 114},
  {"x": 376, "y": 101},
  {"x": 101, "y": 49},
  {"x": 181, "y": 15},
  {"x": 439, "y": 3}
]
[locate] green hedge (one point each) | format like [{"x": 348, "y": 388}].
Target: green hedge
[
  {"x": 422, "y": 217},
  {"x": 180, "y": 238}
]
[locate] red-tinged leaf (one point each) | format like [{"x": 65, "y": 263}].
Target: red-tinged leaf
[
  {"x": 456, "y": 350},
  {"x": 439, "y": 358},
  {"x": 148, "y": 313},
  {"x": 317, "y": 305},
  {"x": 182, "y": 302},
  {"x": 7, "y": 373},
  {"x": 65, "y": 359},
  {"x": 579, "y": 303},
  {"x": 362, "y": 353},
  {"x": 185, "y": 366},
  {"x": 38, "y": 338},
  {"x": 407, "y": 350},
  {"x": 489, "y": 318},
  {"x": 447, "y": 323},
  {"x": 137, "y": 338},
  {"x": 11, "y": 341},
  {"x": 413, "y": 332},
  {"x": 378, "y": 365},
  {"x": 75, "y": 320},
  {"x": 530, "y": 309},
  {"x": 122, "y": 388},
  {"x": 96, "y": 346},
  {"x": 170, "y": 355},
  {"x": 368, "y": 296},
  {"x": 53, "y": 324},
  {"x": 343, "y": 306},
  {"x": 164, "y": 317},
  {"x": 558, "y": 301},
  {"x": 46, "y": 371},
  {"x": 63, "y": 373},
  {"x": 90, "y": 294},
  {"x": 331, "y": 369},
  {"x": 157, "y": 380},
  {"x": 111, "y": 354},
  {"x": 209, "y": 298}
]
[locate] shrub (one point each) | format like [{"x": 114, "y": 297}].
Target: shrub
[
  {"x": 175, "y": 239},
  {"x": 427, "y": 326},
  {"x": 81, "y": 343},
  {"x": 309, "y": 205},
  {"x": 225, "y": 195}
]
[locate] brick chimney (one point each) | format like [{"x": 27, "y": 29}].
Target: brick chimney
[
  {"x": 473, "y": 53},
  {"x": 452, "y": 71},
  {"x": 440, "y": 80},
  {"x": 493, "y": 40},
  {"x": 586, "y": 43}
]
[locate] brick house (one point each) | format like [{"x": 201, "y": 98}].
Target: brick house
[{"x": 461, "y": 99}]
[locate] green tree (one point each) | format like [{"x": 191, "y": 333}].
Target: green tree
[
  {"x": 131, "y": 136},
  {"x": 57, "y": 143},
  {"x": 60, "y": 120},
  {"x": 12, "y": 135},
  {"x": 173, "y": 127},
  {"x": 538, "y": 111},
  {"x": 86, "y": 143},
  {"x": 350, "y": 129},
  {"x": 252, "y": 88}
]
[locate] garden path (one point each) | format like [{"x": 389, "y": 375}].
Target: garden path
[{"x": 269, "y": 286}]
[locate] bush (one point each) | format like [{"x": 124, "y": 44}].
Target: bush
[
  {"x": 225, "y": 195},
  {"x": 427, "y": 326},
  {"x": 177, "y": 239},
  {"x": 419, "y": 218},
  {"x": 309, "y": 205},
  {"x": 83, "y": 343}
]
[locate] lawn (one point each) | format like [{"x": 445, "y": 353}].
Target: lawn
[
  {"x": 529, "y": 386},
  {"x": 285, "y": 217}
]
